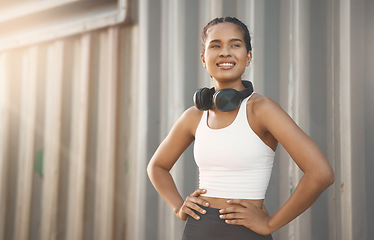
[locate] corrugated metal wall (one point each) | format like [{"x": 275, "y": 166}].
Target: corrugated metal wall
[
  {"x": 82, "y": 111},
  {"x": 64, "y": 128}
]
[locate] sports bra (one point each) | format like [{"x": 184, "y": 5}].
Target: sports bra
[{"x": 233, "y": 161}]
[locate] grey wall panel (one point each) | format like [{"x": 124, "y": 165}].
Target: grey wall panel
[
  {"x": 369, "y": 114},
  {"x": 318, "y": 110}
]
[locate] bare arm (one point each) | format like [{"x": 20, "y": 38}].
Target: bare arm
[
  {"x": 177, "y": 141},
  {"x": 318, "y": 174}
]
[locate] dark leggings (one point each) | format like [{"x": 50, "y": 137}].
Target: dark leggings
[{"x": 211, "y": 227}]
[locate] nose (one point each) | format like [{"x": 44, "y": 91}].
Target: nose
[{"x": 225, "y": 52}]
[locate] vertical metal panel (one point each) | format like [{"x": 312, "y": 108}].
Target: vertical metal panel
[
  {"x": 344, "y": 172},
  {"x": 4, "y": 131},
  {"x": 256, "y": 23},
  {"x": 106, "y": 141},
  {"x": 298, "y": 96},
  {"x": 79, "y": 141},
  {"x": 346, "y": 130},
  {"x": 357, "y": 118},
  {"x": 284, "y": 76},
  {"x": 134, "y": 193},
  {"x": 271, "y": 86},
  {"x": 139, "y": 131},
  {"x": 318, "y": 105},
  {"x": 52, "y": 141},
  {"x": 332, "y": 113},
  {"x": 171, "y": 81},
  {"x": 215, "y": 8},
  {"x": 14, "y": 97},
  {"x": 27, "y": 141},
  {"x": 124, "y": 170},
  {"x": 92, "y": 137},
  {"x": 153, "y": 107},
  {"x": 369, "y": 114}
]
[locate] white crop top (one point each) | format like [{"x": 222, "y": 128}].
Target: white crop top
[{"x": 233, "y": 161}]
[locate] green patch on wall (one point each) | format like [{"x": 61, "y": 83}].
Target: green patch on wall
[
  {"x": 292, "y": 190},
  {"x": 38, "y": 162}
]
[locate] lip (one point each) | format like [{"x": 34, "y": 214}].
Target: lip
[{"x": 226, "y": 64}]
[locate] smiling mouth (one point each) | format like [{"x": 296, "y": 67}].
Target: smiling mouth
[{"x": 226, "y": 65}]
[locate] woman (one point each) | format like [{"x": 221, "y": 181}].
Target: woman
[{"x": 234, "y": 149}]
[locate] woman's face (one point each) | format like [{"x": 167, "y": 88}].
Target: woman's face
[{"x": 225, "y": 56}]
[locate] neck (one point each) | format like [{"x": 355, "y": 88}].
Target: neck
[{"x": 237, "y": 85}]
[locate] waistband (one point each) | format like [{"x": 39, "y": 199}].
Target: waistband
[{"x": 210, "y": 226}]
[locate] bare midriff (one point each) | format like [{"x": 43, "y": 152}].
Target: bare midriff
[{"x": 222, "y": 202}]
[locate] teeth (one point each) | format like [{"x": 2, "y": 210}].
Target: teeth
[{"x": 226, "y": 64}]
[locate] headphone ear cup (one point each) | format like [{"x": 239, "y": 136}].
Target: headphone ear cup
[
  {"x": 203, "y": 98},
  {"x": 227, "y": 99}
]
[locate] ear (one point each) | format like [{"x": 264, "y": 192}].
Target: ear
[
  {"x": 249, "y": 58},
  {"x": 203, "y": 60}
]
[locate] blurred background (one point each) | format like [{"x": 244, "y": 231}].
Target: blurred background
[{"x": 89, "y": 88}]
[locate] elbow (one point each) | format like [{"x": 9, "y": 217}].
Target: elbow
[
  {"x": 327, "y": 178},
  {"x": 331, "y": 178},
  {"x": 321, "y": 179},
  {"x": 150, "y": 168},
  {"x": 154, "y": 170}
]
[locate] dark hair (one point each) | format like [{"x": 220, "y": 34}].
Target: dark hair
[{"x": 234, "y": 20}]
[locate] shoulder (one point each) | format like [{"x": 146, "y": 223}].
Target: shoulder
[
  {"x": 260, "y": 105},
  {"x": 190, "y": 119},
  {"x": 192, "y": 114},
  {"x": 264, "y": 112}
]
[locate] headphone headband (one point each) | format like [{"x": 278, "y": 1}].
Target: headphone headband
[{"x": 248, "y": 89}]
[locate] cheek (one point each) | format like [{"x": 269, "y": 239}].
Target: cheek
[
  {"x": 246, "y": 60},
  {"x": 209, "y": 61}
]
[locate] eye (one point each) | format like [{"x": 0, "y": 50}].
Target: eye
[
  {"x": 215, "y": 46},
  {"x": 236, "y": 45}
]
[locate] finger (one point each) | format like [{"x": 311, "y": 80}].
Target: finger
[
  {"x": 235, "y": 221},
  {"x": 191, "y": 213},
  {"x": 232, "y": 216},
  {"x": 197, "y": 200},
  {"x": 239, "y": 202},
  {"x": 198, "y": 192},
  {"x": 194, "y": 197},
  {"x": 231, "y": 210},
  {"x": 195, "y": 207}
]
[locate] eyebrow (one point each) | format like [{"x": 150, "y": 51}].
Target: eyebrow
[{"x": 231, "y": 40}]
